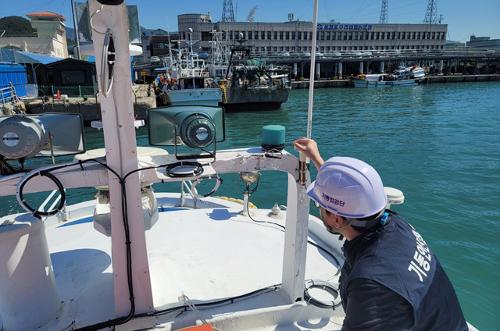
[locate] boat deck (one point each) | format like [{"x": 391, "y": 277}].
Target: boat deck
[{"x": 209, "y": 253}]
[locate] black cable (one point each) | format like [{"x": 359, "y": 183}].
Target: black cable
[
  {"x": 210, "y": 304},
  {"x": 131, "y": 314},
  {"x": 325, "y": 286},
  {"x": 38, "y": 213},
  {"x": 46, "y": 173},
  {"x": 198, "y": 169},
  {"x": 324, "y": 250}
]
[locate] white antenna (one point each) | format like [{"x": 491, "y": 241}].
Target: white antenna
[{"x": 311, "y": 74}]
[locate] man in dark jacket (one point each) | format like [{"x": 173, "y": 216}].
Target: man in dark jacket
[{"x": 390, "y": 280}]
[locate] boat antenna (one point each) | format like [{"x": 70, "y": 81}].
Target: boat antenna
[
  {"x": 312, "y": 69},
  {"x": 303, "y": 160}
]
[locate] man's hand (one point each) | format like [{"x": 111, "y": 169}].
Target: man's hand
[{"x": 310, "y": 149}]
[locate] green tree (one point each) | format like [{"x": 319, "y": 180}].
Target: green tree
[{"x": 16, "y": 26}]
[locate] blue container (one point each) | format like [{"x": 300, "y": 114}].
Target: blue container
[{"x": 16, "y": 74}]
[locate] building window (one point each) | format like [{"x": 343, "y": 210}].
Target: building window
[
  {"x": 281, "y": 35},
  {"x": 250, "y": 35},
  {"x": 275, "y": 35},
  {"x": 256, "y": 35},
  {"x": 269, "y": 35},
  {"x": 293, "y": 35},
  {"x": 263, "y": 35}
]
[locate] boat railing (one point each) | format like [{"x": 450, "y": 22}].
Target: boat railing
[
  {"x": 55, "y": 197},
  {"x": 187, "y": 187}
]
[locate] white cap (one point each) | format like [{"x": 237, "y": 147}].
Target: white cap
[{"x": 348, "y": 187}]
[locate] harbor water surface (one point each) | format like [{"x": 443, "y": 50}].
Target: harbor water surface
[{"x": 439, "y": 144}]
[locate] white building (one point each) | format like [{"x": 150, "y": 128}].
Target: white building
[
  {"x": 50, "y": 36},
  {"x": 295, "y": 36}
]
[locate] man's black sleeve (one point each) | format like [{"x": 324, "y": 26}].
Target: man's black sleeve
[{"x": 372, "y": 306}]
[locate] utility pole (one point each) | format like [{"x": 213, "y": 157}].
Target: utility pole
[
  {"x": 384, "y": 12},
  {"x": 431, "y": 12},
  {"x": 227, "y": 11},
  {"x": 75, "y": 25}
]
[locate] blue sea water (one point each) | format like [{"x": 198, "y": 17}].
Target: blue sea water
[{"x": 439, "y": 144}]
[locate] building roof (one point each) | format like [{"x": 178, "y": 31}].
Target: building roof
[
  {"x": 71, "y": 61},
  {"x": 15, "y": 56},
  {"x": 46, "y": 15}
]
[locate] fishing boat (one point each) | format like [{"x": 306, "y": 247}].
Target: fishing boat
[
  {"x": 403, "y": 76},
  {"x": 251, "y": 85},
  {"x": 134, "y": 259},
  {"x": 188, "y": 81}
]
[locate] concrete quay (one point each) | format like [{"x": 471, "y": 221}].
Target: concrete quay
[
  {"x": 331, "y": 83},
  {"x": 90, "y": 108}
]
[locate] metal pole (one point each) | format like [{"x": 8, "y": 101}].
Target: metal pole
[
  {"x": 191, "y": 55},
  {"x": 311, "y": 72},
  {"x": 75, "y": 25},
  {"x": 170, "y": 49}
]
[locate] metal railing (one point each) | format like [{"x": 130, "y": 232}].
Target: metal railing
[
  {"x": 188, "y": 185},
  {"x": 285, "y": 56},
  {"x": 72, "y": 91},
  {"x": 8, "y": 94},
  {"x": 62, "y": 215}
]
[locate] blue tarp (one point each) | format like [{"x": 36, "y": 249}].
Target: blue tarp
[
  {"x": 15, "y": 56},
  {"x": 15, "y": 74}
]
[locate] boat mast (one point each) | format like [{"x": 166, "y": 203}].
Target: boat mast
[
  {"x": 110, "y": 37},
  {"x": 191, "y": 55}
]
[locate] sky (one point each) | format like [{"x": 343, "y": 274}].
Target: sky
[{"x": 479, "y": 17}]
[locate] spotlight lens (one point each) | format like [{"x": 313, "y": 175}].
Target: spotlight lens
[
  {"x": 202, "y": 134},
  {"x": 198, "y": 131}
]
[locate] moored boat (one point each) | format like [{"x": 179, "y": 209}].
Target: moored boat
[
  {"x": 253, "y": 85},
  {"x": 404, "y": 76}
]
